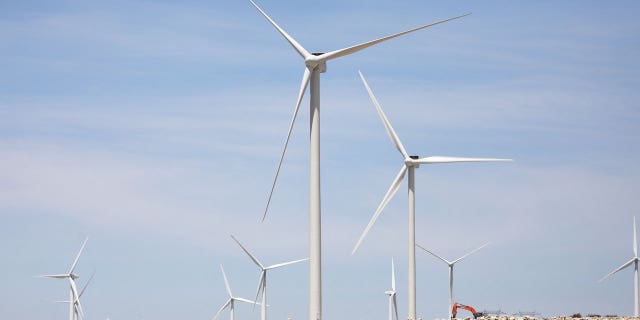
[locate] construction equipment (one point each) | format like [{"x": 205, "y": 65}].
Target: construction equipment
[{"x": 468, "y": 308}]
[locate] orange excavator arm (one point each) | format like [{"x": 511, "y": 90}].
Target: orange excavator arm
[{"x": 468, "y": 308}]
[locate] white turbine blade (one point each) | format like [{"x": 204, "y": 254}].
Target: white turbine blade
[
  {"x": 78, "y": 306},
  {"x": 347, "y": 51},
  {"x": 300, "y": 49},
  {"x": 255, "y": 260},
  {"x": 393, "y": 277},
  {"x": 470, "y": 253},
  {"x": 55, "y": 276},
  {"x": 75, "y": 262},
  {"x": 395, "y": 306},
  {"x": 247, "y": 301},
  {"x": 392, "y": 191},
  {"x": 440, "y": 159},
  {"x": 87, "y": 284},
  {"x": 226, "y": 282},
  {"x": 616, "y": 270},
  {"x": 303, "y": 88},
  {"x": 387, "y": 124},
  {"x": 260, "y": 286},
  {"x": 434, "y": 254},
  {"x": 635, "y": 238},
  {"x": 224, "y": 306},
  {"x": 76, "y": 296},
  {"x": 285, "y": 264}
]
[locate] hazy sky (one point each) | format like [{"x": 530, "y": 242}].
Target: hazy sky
[{"x": 155, "y": 127}]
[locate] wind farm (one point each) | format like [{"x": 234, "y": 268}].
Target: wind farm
[{"x": 158, "y": 129}]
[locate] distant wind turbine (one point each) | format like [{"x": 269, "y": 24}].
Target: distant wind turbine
[
  {"x": 393, "y": 303},
  {"x": 232, "y": 299},
  {"x": 410, "y": 163},
  {"x": 262, "y": 283},
  {"x": 315, "y": 64},
  {"x": 451, "y": 264},
  {"x": 633, "y": 261},
  {"x": 75, "y": 307}
]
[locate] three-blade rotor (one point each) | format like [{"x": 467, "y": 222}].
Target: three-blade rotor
[
  {"x": 232, "y": 298},
  {"x": 409, "y": 162},
  {"x": 263, "y": 270},
  {"x": 393, "y": 303},
  {"x": 312, "y": 61}
]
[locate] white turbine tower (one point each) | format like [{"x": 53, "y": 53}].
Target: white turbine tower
[
  {"x": 262, "y": 283},
  {"x": 232, "y": 299},
  {"x": 410, "y": 163},
  {"x": 451, "y": 264},
  {"x": 393, "y": 303},
  {"x": 315, "y": 63},
  {"x": 75, "y": 308},
  {"x": 633, "y": 261}
]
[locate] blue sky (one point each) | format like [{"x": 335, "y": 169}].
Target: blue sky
[{"x": 154, "y": 128}]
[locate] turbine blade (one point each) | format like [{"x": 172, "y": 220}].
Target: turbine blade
[
  {"x": 255, "y": 260},
  {"x": 395, "y": 306},
  {"x": 635, "y": 238},
  {"x": 440, "y": 159},
  {"x": 247, "y": 301},
  {"x": 387, "y": 124},
  {"x": 55, "y": 276},
  {"x": 75, "y": 262},
  {"x": 78, "y": 307},
  {"x": 285, "y": 264},
  {"x": 470, "y": 253},
  {"x": 260, "y": 285},
  {"x": 226, "y": 282},
  {"x": 393, "y": 277},
  {"x": 224, "y": 306},
  {"x": 616, "y": 270},
  {"x": 353, "y": 49},
  {"x": 303, "y": 88},
  {"x": 76, "y": 296},
  {"x": 87, "y": 284},
  {"x": 300, "y": 49},
  {"x": 392, "y": 191},
  {"x": 434, "y": 254}
]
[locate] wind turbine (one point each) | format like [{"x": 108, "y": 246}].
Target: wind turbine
[
  {"x": 74, "y": 297},
  {"x": 451, "y": 264},
  {"x": 633, "y": 261},
  {"x": 315, "y": 64},
  {"x": 262, "y": 284},
  {"x": 410, "y": 163},
  {"x": 232, "y": 299},
  {"x": 393, "y": 303}
]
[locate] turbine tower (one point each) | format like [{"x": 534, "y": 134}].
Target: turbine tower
[
  {"x": 315, "y": 64},
  {"x": 76, "y": 305},
  {"x": 75, "y": 308},
  {"x": 393, "y": 303},
  {"x": 232, "y": 299},
  {"x": 410, "y": 163},
  {"x": 262, "y": 283},
  {"x": 633, "y": 261},
  {"x": 451, "y": 264}
]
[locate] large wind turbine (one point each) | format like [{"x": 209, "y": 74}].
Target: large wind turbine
[
  {"x": 74, "y": 297},
  {"x": 451, "y": 264},
  {"x": 262, "y": 283},
  {"x": 393, "y": 303},
  {"x": 315, "y": 63},
  {"x": 410, "y": 163},
  {"x": 633, "y": 261},
  {"x": 232, "y": 299}
]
